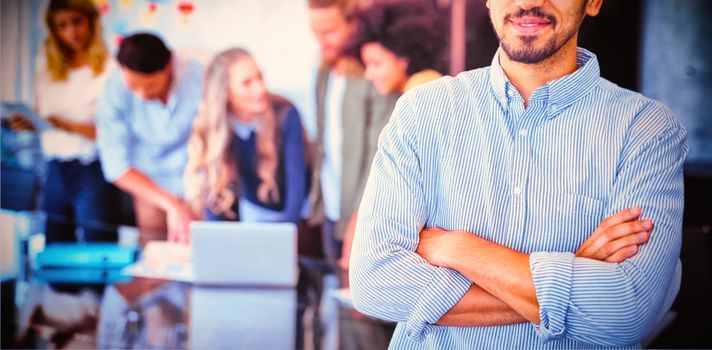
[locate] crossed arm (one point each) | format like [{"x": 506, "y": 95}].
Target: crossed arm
[{"x": 503, "y": 292}]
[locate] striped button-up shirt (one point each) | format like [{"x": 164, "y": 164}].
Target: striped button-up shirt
[{"x": 464, "y": 153}]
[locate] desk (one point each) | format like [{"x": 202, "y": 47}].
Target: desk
[{"x": 149, "y": 313}]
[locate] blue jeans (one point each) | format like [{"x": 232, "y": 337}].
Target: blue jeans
[{"x": 76, "y": 195}]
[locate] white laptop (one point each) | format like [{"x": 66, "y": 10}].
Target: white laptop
[{"x": 244, "y": 254}]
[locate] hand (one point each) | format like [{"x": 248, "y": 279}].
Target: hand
[
  {"x": 20, "y": 123},
  {"x": 617, "y": 237},
  {"x": 61, "y": 123},
  {"x": 436, "y": 244},
  {"x": 178, "y": 217}
]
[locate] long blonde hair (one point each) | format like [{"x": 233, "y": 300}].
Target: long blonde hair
[
  {"x": 57, "y": 54},
  {"x": 211, "y": 179}
]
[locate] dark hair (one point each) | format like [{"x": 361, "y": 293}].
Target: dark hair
[
  {"x": 410, "y": 29},
  {"x": 143, "y": 53}
]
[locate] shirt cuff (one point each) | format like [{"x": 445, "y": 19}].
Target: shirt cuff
[
  {"x": 553, "y": 277},
  {"x": 445, "y": 289}
]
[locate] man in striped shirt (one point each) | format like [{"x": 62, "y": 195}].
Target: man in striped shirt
[{"x": 482, "y": 224}]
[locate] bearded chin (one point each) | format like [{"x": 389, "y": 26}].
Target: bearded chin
[{"x": 528, "y": 53}]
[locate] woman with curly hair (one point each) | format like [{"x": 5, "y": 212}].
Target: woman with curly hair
[{"x": 400, "y": 43}]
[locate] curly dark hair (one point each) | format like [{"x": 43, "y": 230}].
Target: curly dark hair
[{"x": 410, "y": 29}]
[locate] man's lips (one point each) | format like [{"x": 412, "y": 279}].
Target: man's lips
[
  {"x": 530, "y": 20},
  {"x": 529, "y": 24}
]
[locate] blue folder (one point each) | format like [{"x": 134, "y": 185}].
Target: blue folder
[{"x": 86, "y": 255}]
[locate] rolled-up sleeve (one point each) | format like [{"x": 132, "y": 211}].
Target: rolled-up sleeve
[
  {"x": 113, "y": 136},
  {"x": 618, "y": 304},
  {"x": 388, "y": 279}
]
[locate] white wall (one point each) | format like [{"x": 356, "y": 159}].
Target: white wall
[
  {"x": 275, "y": 31},
  {"x": 15, "y": 55}
]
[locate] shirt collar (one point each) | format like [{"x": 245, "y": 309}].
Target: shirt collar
[
  {"x": 559, "y": 93},
  {"x": 242, "y": 130}
]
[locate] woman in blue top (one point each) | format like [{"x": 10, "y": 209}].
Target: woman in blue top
[{"x": 246, "y": 153}]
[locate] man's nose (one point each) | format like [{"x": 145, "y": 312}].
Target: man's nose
[{"x": 530, "y": 4}]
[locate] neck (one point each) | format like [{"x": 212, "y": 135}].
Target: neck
[
  {"x": 164, "y": 96},
  {"x": 403, "y": 84},
  {"x": 244, "y": 118},
  {"x": 346, "y": 66},
  {"x": 526, "y": 78},
  {"x": 79, "y": 59},
  {"x": 340, "y": 66}
]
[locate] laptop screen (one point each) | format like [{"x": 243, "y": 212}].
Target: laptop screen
[{"x": 245, "y": 254}]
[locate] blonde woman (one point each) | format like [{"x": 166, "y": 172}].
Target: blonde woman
[
  {"x": 71, "y": 74},
  {"x": 246, "y": 158}
]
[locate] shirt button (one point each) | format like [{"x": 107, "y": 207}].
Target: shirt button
[
  {"x": 517, "y": 190},
  {"x": 523, "y": 133}
]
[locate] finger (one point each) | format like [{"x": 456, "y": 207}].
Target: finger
[
  {"x": 18, "y": 118},
  {"x": 617, "y": 218},
  {"x": 604, "y": 236},
  {"x": 596, "y": 250},
  {"x": 185, "y": 232},
  {"x": 173, "y": 235},
  {"x": 20, "y": 124},
  {"x": 625, "y": 229},
  {"x": 623, "y": 254},
  {"x": 614, "y": 246},
  {"x": 622, "y": 216},
  {"x": 186, "y": 236}
]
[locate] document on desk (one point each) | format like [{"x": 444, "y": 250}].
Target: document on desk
[{"x": 163, "y": 260}]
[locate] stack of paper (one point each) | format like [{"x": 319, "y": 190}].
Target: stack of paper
[{"x": 163, "y": 260}]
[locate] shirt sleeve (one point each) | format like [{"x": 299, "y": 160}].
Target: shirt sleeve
[
  {"x": 380, "y": 108},
  {"x": 388, "y": 279},
  {"x": 617, "y": 304},
  {"x": 113, "y": 133},
  {"x": 295, "y": 166}
]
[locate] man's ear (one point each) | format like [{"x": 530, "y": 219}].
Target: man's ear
[{"x": 593, "y": 7}]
